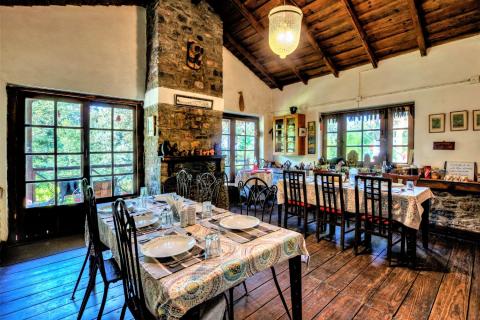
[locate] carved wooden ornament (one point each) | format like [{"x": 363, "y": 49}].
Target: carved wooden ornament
[{"x": 241, "y": 102}]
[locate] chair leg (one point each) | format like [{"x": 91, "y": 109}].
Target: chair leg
[
  {"x": 356, "y": 239},
  {"x": 342, "y": 235},
  {"x": 282, "y": 298},
  {"x": 403, "y": 240},
  {"x": 104, "y": 300},
  {"x": 389, "y": 249},
  {"x": 305, "y": 222},
  {"x": 124, "y": 309},
  {"x": 230, "y": 306},
  {"x": 245, "y": 287},
  {"x": 81, "y": 271},
  {"x": 88, "y": 291}
]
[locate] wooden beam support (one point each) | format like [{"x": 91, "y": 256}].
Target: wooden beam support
[
  {"x": 253, "y": 60},
  {"x": 361, "y": 33},
  {"x": 419, "y": 30},
  {"x": 261, "y": 31}
]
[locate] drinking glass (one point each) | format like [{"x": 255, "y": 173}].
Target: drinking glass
[
  {"x": 166, "y": 218},
  {"x": 410, "y": 185},
  {"x": 206, "y": 209},
  {"x": 212, "y": 245},
  {"x": 143, "y": 197}
]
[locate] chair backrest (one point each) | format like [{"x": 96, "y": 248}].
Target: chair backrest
[
  {"x": 287, "y": 164},
  {"x": 331, "y": 196},
  {"x": 367, "y": 174},
  {"x": 375, "y": 211},
  {"x": 127, "y": 246},
  {"x": 208, "y": 187},
  {"x": 401, "y": 178},
  {"x": 184, "y": 183},
  {"x": 294, "y": 186},
  {"x": 257, "y": 197}
]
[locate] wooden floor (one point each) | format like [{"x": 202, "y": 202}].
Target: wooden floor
[{"x": 336, "y": 285}]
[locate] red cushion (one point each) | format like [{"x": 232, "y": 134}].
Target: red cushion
[
  {"x": 299, "y": 203},
  {"x": 376, "y": 220},
  {"x": 338, "y": 211}
]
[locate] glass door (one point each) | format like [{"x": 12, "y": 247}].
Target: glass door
[
  {"x": 279, "y": 132},
  {"x": 291, "y": 136}
]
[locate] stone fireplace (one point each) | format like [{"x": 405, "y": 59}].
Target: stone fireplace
[{"x": 172, "y": 26}]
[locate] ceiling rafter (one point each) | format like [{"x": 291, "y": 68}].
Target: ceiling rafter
[
  {"x": 253, "y": 60},
  {"x": 261, "y": 32},
  {"x": 361, "y": 33},
  {"x": 419, "y": 29},
  {"x": 314, "y": 43}
]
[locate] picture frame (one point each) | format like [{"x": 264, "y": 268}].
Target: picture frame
[
  {"x": 459, "y": 120},
  {"x": 436, "y": 123},
  {"x": 476, "y": 120},
  {"x": 311, "y": 137}
]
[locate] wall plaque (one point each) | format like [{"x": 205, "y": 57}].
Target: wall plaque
[
  {"x": 443, "y": 145},
  {"x": 193, "y": 102}
]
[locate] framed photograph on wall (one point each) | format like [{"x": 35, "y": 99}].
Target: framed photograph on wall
[
  {"x": 459, "y": 120},
  {"x": 311, "y": 137},
  {"x": 436, "y": 123},
  {"x": 476, "y": 120}
]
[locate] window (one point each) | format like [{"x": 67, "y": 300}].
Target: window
[
  {"x": 382, "y": 133},
  {"x": 239, "y": 143}
]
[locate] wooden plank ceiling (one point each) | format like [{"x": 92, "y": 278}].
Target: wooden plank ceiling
[{"x": 342, "y": 34}]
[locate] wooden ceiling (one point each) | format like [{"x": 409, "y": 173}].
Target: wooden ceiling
[{"x": 342, "y": 34}]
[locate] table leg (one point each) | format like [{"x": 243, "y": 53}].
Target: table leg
[
  {"x": 295, "y": 266},
  {"x": 412, "y": 246},
  {"x": 231, "y": 314},
  {"x": 279, "y": 222},
  {"x": 425, "y": 222}
]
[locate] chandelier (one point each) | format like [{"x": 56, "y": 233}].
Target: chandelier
[{"x": 285, "y": 24}]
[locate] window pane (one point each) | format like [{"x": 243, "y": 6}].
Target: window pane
[
  {"x": 40, "y": 168},
  {"x": 371, "y": 150},
  {"x": 331, "y": 152},
  {"x": 240, "y": 142},
  {"x": 358, "y": 150},
  {"x": 100, "y": 140},
  {"x": 69, "y": 166},
  {"x": 400, "y": 154},
  {"x": 249, "y": 143},
  {"x": 225, "y": 126},
  {"x": 249, "y": 158},
  {"x": 371, "y": 138},
  {"x": 69, "y": 140},
  {"x": 239, "y": 158},
  {"x": 354, "y": 123},
  {"x": 123, "y": 141},
  {"x": 226, "y": 155},
  {"x": 400, "y": 137},
  {"x": 100, "y": 117},
  {"x": 39, "y": 112},
  {"x": 400, "y": 121},
  {"x": 40, "y": 194},
  {"x": 225, "y": 142},
  {"x": 123, "y": 118},
  {"x": 123, "y": 163},
  {"x": 371, "y": 122},
  {"x": 250, "y": 128},
  {"x": 240, "y": 127},
  {"x": 39, "y": 140},
  {"x": 69, "y": 192},
  {"x": 123, "y": 185},
  {"x": 102, "y": 186},
  {"x": 332, "y": 139},
  {"x": 354, "y": 139},
  {"x": 100, "y": 164},
  {"x": 332, "y": 126},
  {"x": 69, "y": 114}
]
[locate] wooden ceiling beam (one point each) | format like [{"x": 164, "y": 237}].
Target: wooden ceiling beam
[
  {"x": 419, "y": 29},
  {"x": 261, "y": 32},
  {"x": 253, "y": 60},
  {"x": 361, "y": 33}
]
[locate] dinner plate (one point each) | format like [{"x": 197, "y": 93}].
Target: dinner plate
[
  {"x": 145, "y": 220},
  {"x": 239, "y": 222},
  {"x": 167, "y": 246}
]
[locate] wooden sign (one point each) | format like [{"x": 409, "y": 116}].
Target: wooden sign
[
  {"x": 459, "y": 168},
  {"x": 195, "y": 102},
  {"x": 444, "y": 145}
]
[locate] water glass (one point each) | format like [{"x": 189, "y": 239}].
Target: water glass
[
  {"x": 207, "y": 209},
  {"x": 212, "y": 245},
  {"x": 143, "y": 197},
  {"x": 166, "y": 219},
  {"x": 410, "y": 185}
]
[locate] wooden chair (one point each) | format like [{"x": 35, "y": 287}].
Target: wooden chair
[
  {"x": 257, "y": 197},
  {"x": 376, "y": 217},
  {"x": 108, "y": 268},
  {"x": 333, "y": 205},
  {"x": 400, "y": 178},
  {"x": 184, "y": 183},
  {"x": 295, "y": 192}
]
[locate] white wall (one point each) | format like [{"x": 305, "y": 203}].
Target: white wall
[
  {"x": 97, "y": 50},
  {"x": 437, "y": 83},
  {"x": 256, "y": 94}
]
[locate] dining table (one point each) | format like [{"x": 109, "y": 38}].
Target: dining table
[
  {"x": 172, "y": 289},
  {"x": 265, "y": 174},
  {"x": 411, "y": 208}
]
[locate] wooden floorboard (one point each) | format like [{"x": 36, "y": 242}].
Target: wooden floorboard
[{"x": 336, "y": 285}]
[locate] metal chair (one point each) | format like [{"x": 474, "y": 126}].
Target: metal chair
[
  {"x": 376, "y": 217},
  {"x": 184, "y": 183},
  {"x": 257, "y": 197},
  {"x": 107, "y": 268},
  {"x": 208, "y": 187},
  {"x": 295, "y": 192}
]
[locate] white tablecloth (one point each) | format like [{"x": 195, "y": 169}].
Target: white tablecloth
[
  {"x": 407, "y": 205},
  {"x": 264, "y": 174}
]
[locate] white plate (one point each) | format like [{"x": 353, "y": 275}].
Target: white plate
[
  {"x": 145, "y": 220},
  {"x": 167, "y": 246},
  {"x": 239, "y": 222}
]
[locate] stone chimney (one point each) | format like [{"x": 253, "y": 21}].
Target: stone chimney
[{"x": 173, "y": 26}]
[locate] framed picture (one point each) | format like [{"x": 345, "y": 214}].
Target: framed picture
[
  {"x": 436, "y": 123},
  {"x": 311, "y": 137},
  {"x": 459, "y": 120},
  {"x": 476, "y": 120}
]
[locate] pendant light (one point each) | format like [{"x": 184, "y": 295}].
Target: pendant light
[{"x": 285, "y": 24}]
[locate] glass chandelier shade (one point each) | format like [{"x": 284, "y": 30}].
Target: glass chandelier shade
[{"x": 285, "y": 24}]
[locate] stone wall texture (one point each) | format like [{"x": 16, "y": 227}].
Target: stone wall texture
[{"x": 456, "y": 210}]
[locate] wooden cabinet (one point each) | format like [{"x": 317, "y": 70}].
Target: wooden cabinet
[{"x": 286, "y": 138}]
